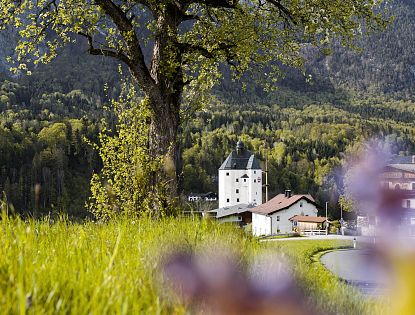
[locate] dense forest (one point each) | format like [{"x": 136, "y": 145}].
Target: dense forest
[{"x": 48, "y": 118}]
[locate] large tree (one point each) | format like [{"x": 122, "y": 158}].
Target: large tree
[{"x": 190, "y": 41}]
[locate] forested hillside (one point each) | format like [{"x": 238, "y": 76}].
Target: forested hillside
[{"x": 46, "y": 163}]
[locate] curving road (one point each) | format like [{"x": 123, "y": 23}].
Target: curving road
[{"x": 358, "y": 267}]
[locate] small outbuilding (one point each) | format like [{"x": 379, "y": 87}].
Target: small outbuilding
[{"x": 305, "y": 223}]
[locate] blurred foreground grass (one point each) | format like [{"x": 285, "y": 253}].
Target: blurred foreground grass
[{"x": 112, "y": 268}]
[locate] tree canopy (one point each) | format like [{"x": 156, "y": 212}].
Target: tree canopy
[
  {"x": 194, "y": 36},
  {"x": 175, "y": 49}
]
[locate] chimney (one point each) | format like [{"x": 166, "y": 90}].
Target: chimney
[{"x": 288, "y": 193}]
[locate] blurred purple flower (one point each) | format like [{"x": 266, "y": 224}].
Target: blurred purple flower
[{"x": 217, "y": 284}]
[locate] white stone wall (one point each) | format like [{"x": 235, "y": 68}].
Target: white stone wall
[
  {"x": 231, "y": 218},
  {"x": 245, "y": 190},
  {"x": 279, "y": 221},
  {"x": 284, "y": 224},
  {"x": 261, "y": 224},
  {"x": 408, "y": 203},
  {"x": 255, "y": 186}
]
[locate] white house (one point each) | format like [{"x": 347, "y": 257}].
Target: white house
[
  {"x": 210, "y": 196},
  {"x": 240, "y": 179},
  {"x": 274, "y": 216}
]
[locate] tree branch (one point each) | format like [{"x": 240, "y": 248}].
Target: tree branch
[
  {"x": 103, "y": 52},
  {"x": 229, "y": 4},
  {"x": 283, "y": 10},
  {"x": 135, "y": 60},
  {"x": 222, "y": 47}
]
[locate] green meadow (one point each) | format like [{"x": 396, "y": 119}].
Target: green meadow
[{"x": 115, "y": 268}]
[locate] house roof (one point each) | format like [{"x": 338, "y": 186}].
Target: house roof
[
  {"x": 236, "y": 209},
  {"x": 397, "y": 159},
  {"x": 240, "y": 159},
  {"x": 305, "y": 218},
  {"x": 403, "y": 167},
  {"x": 281, "y": 202}
]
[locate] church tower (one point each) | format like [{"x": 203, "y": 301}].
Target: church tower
[{"x": 240, "y": 179}]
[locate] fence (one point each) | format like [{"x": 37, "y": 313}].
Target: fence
[{"x": 314, "y": 232}]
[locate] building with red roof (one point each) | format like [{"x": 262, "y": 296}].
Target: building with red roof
[{"x": 274, "y": 216}]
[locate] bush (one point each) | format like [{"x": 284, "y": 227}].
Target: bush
[{"x": 123, "y": 185}]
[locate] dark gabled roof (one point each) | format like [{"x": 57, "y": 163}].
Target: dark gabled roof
[
  {"x": 236, "y": 209},
  {"x": 281, "y": 202},
  {"x": 244, "y": 176},
  {"x": 397, "y": 159},
  {"x": 240, "y": 159},
  {"x": 403, "y": 167}
]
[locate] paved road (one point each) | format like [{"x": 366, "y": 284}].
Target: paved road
[
  {"x": 322, "y": 237},
  {"x": 359, "y": 268}
]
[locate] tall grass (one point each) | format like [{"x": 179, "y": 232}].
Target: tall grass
[
  {"x": 96, "y": 268},
  {"x": 112, "y": 268}
]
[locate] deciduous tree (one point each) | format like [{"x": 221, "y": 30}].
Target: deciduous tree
[{"x": 189, "y": 41}]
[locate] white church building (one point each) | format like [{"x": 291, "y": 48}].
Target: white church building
[{"x": 240, "y": 179}]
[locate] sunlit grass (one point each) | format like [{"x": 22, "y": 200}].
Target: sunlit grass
[{"x": 112, "y": 268}]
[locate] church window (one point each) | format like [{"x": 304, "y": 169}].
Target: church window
[
  {"x": 237, "y": 191},
  {"x": 254, "y": 172},
  {"x": 244, "y": 180},
  {"x": 227, "y": 200},
  {"x": 237, "y": 180},
  {"x": 237, "y": 199},
  {"x": 254, "y": 180},
  {"x": 227, "y": 174}
]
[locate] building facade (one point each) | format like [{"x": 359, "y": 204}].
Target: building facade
[
  {"x": 240, "y": 179},
  {"x": 274, "y": 216},
  {"x": 397, "y": 184},
  {"x": 401, "y": 177}
]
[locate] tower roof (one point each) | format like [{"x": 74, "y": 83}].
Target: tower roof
[{"x": 240, "y": 159}]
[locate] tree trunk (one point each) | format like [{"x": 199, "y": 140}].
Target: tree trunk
[
  {"x": 167, "y": 73},
  {"x": 165, "y": 120}
]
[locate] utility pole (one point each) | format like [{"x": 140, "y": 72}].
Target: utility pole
[
  {"x": 266, "y": 177},
  {"x": 327, "y": 221}
]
